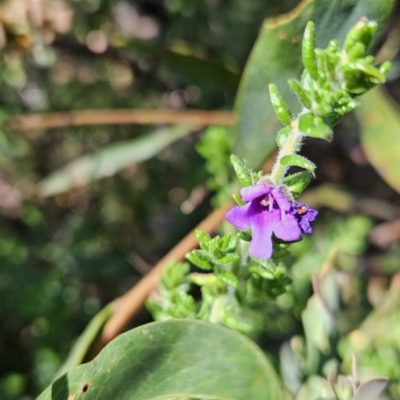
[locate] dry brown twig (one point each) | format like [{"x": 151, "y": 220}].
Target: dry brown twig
[{"x": 118, "y": 116}]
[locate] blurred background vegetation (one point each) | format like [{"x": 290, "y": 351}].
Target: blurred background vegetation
[{"x": 71, "y": 244}]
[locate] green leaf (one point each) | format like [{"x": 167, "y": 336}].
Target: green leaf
[
  {"x": 298, "y": 161},
  {"x": 296, "y": 183},
  {"x": 173, "y": 359},
  {"x": 203, "y": 239},
  {"x": 276, "y": 57},
  {"x": 200, "y": 258},
  {"x": 379, "y": 118},
  {"x": 196, "y": 68},
  {"x": 109, "y": 160},
  {"x": 242, "y": 173},
  {"x": 301, "y": 94},
  {"x": 278, "y": 104},
  {"x": 86, "y": 340},
  {"x": 308, "y": 51},
  {"x": 312, "y": 126},
  {"x": 229, "y": 278},
  {"x": 228, "y": 258},
  {"x": 283, "y": 135}
]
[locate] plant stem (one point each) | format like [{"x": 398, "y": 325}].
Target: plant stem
[{"x": 291, "y": 147}]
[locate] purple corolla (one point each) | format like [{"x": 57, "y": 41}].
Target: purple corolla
[{"x": 267, "y": 211}]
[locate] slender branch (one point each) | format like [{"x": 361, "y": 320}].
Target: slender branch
[
  {"x": 119, "y": 116},
  {"x": 126, "y": 306}
]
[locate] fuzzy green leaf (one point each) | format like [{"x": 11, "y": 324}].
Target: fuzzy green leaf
[
  {"x": 228, "y": 278},
  {"x": 296, "y": 183},
  {"x": 312, "y": 126},
  {"x": 308, "y": 51},
  {"x": 300, "y": 93},
  {"x": 278, "y": 104},
  {"x": 200, "y": 258},
  {"x": 242, "y": 173},
  {"x": 228, "y": 258},
  {"x": 202, "y": 238},
  {"x": 283, "y": 135},
  {"x": 298, "y": 161}
]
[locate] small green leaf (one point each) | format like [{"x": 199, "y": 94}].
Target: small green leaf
[
  {"x": 202, "y": 238},
  {"x": 300, "y": 92},
  {"x": 203, "y": 279},
  {"x": 278, "y": 104},
  {"x": 283, "y": 135},
  {"x": 308, "y": 51},
  {"x": 315, "y": 127},
  {"x": 296, "y": 183},
  {"x": 242, "y": 173},
  {"x": 298, "y": 161},
  {"x": 200, "y": 258},
  {"x": 228, "y": 258},
  {"x": 362, "y": 32},
  {"x": 228, "y": 278}
]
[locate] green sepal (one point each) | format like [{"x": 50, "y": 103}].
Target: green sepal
[
  {"x": 294, "y": 160},
  {"x": 243, "y": 174},
  {"x": 238, "y": 200},
  {"x": 308, "y": 51},
  {"x": 300, "y": 93},
  {"x": 312, "y": 126},
  {"x": 200, "y": 258},
  {"x": 203, "y": 239},
  {"x": 228, "y": 278},
  {"x": 228, "y": 258},
  {"x": 278, "y": 104},
  {"x": 362, "y": 32},
  {"x": 283, "y": 135},
  {"x": 296, "y": 183}
]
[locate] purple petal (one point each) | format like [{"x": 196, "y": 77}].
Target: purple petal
[
  {"x": 261, "y": 242},
  {"x": 287, "y": 229},
  {"x": 239, "y": 216},
  {"x": 250, "y": 193},
  {"x": 281, "y": 200}
]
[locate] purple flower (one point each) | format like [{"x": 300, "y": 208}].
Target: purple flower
[{"x": 269, "y": 212}]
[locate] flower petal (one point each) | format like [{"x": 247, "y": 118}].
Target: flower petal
[
  {"x": 250, "y": 193},
  {"x": 283, "y": 203},
  {"x": 239, "y": 216},
  {"x": 261, "y": 242},
  {"x": 287, "y": 229}
]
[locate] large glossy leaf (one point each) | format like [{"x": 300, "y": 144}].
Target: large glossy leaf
[
  {"x": 276, "y": 57},
  {"x": 198, "y": 69},
  {"x": 109, "y": 160},
  {"x": 173, "y": 359},
  {"x": 379, "y": 119}
]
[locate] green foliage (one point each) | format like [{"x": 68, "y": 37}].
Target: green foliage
[
  {"x": 171, "y": 359},
  {"x": 379, "y": 120},
  {"x": 276, "y": 57}
]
